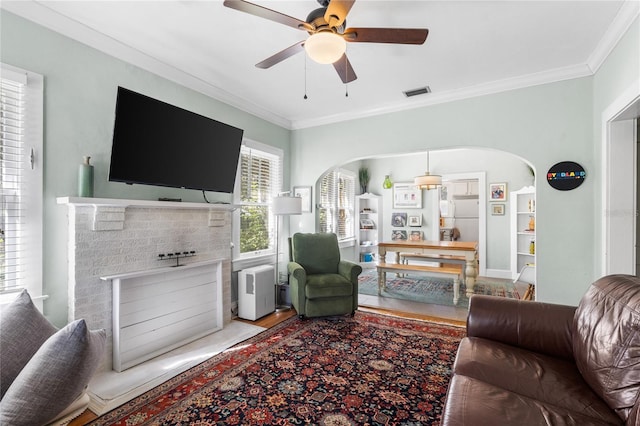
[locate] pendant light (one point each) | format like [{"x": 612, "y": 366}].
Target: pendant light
[{"x": 428, "y": 181}]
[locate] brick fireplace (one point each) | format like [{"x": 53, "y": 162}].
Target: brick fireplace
[{"x": 108, "y": 237}]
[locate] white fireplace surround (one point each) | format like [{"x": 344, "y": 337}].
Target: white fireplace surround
[{"x": 110, "y": 237}]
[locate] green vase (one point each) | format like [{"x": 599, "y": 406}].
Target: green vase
[
  {"x": 85, "y": 178},
  {"x": 387, "y": 182}
]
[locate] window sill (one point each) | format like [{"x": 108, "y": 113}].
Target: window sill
[
  {"x": 347, "y": 243},
  {"x": 249, "y": 262}
]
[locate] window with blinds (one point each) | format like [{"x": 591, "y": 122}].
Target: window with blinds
[
  {"x": 259, "y": 179},
  {"x": 12, "y": 156},
  {"x": 20, "y": 181},
  {"x": 336, "y": 204}
]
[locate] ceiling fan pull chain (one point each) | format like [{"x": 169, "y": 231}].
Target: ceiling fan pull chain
[
  {"x": 346, "y": 79},
  {"x": 305, "y": 77}
]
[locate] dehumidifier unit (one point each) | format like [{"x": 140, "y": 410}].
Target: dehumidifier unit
[{"x": 256, "y": 292}]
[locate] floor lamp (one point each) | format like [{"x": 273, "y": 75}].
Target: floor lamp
[{"x": 283, "y": 205}]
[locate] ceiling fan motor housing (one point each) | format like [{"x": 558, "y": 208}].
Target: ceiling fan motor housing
[{"x": 316, "y": 19}]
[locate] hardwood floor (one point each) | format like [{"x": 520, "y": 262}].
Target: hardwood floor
[{"x": 276, "y": 318}]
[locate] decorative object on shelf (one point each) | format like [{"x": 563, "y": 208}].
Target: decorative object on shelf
[
  {"x": 399, "y": 219},
  {"x": 305, "y": 193},
  {"x": 497, "y": 209},
  {"x": 428, "y": 181},
  {"x": 85, "y": 178},
  {"x": 532, "y": 224},
  {"x": 177, "y": 256},
  {"x": 284, "y": 205},
  {"x": 387, "y": 184},
  {"x": 364, "y": 178},
  {"x": 406, "y": 195},
  {"x": 367, "y": 224},
  {"x": 497, "y": 192},
  {"x": 566, "y": 175},
  {"x": 532, "y": 247},
  {"x": 415, "y": 220}
]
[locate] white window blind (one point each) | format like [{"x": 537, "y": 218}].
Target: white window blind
[
  {"x": 20, "y": 181},
  {"x": 337, "y": 199},
  {"x": 259, "y": 179}
]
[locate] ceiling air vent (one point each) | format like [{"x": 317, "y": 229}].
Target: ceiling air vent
[{"x": 416, "y": 92}]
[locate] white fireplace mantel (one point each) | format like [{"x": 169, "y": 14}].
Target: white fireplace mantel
[
  {"x": 117, "y": 202},
  {"x": 108, "y": 213}
]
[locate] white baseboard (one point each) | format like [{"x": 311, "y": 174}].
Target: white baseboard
[{"x": 499, "y": 273}]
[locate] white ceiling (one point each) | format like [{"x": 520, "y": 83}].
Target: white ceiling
[{"x": 473, "y": 48}]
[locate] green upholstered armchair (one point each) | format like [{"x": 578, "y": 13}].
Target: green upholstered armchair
[{"x": 320, "y": 283}]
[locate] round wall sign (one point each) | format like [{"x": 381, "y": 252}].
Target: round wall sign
[{"x": 566, "y": 175}]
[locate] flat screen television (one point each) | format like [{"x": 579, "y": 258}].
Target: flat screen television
[{"x": 155, "y": 143}]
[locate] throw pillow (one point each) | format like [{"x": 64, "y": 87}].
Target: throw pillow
[
  {"x": 23, "y": 329},
  {"x": 56, "y": 375}
]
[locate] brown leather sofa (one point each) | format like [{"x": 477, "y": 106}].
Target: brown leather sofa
[{"x": 533, "y": 363}]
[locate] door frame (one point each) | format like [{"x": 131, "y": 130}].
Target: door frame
[{"x": 619, "y": 182}]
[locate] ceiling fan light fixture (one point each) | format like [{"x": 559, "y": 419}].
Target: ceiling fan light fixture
[{"x": 325, "y": 47}]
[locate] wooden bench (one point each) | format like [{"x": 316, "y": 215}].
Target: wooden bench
[
  {"x": 454, "y": 272},
  {"x": 440, "y": 258}
]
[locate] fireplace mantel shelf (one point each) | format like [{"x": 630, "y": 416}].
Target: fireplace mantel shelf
[{"x": 117, "y": 202}]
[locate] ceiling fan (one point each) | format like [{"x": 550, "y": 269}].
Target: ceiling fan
[{"x": 328, "y": 34}]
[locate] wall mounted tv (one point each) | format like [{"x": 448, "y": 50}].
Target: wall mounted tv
[{"x": 155, "y": 143}]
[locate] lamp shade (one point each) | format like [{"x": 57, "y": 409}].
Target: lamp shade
[
  {"x": 287, "y": 205},
  {"x": 325, "y": 47},
  {"x": 428, "y": 181}
]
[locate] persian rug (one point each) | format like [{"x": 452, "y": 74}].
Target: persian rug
[
  {"x": 439, "y": 291},
  {"x": 369, "y": 369}
]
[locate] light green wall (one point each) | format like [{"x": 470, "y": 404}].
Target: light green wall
[
  {"x": 79, "y": 101},
  {"x": 543, "y": 124},
  {"x": 498, "y": 166},
  {"x": 618, "y": 75}
]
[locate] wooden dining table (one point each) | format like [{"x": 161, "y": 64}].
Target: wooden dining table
[{"x": 466, "y": 249}]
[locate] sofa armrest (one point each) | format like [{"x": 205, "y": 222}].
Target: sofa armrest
[
  {"x": 537, "y": 326},
  {"x": 349, "y": 270}
]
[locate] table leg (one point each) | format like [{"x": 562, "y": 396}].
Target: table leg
[
  {"x": 456, "y": 290},
  {"x": 382, "y": 280},
  {"x": 382, "y": 254},
  {"x": 470, "y": 276}
]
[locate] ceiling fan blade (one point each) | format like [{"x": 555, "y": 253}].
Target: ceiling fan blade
[
  {"x": 281, "y": 56},
  {"x": 344, "y": 69},
  {"x": 386, "y": 35},
  {"x": 263, "y": 12},
  {"x": 337, "y": 12}
]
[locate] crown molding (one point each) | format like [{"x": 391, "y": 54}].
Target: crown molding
[
  {"x": 536, "y": 79},
  {"x": 46, "y": 17},
  {"x": 628, "y": 13},
  {"x": 42, "y": 15}
]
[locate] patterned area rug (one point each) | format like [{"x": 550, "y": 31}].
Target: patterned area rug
[
  {"x": 370, "y": 369},
  {"x": 438, "y": 291}
]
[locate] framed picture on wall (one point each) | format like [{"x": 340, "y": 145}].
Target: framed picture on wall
[
  {"x": 497, "y": 209},
  {"x": 304, "y": 192},
  {"x": 398, "y": 235},
  {"x": 415, "y": 220},
  {"x": 415, "y": 236},
  {"x": 399, "y": 220},
  {"x": 407, "y": 196},
  {"x": 497, "y": 192}
]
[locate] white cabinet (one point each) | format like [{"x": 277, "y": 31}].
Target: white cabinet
[
  {"x": 465, "y": 187},
  {"x": 368, "y": 229},
  {"x": 523, "y": 233}
]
